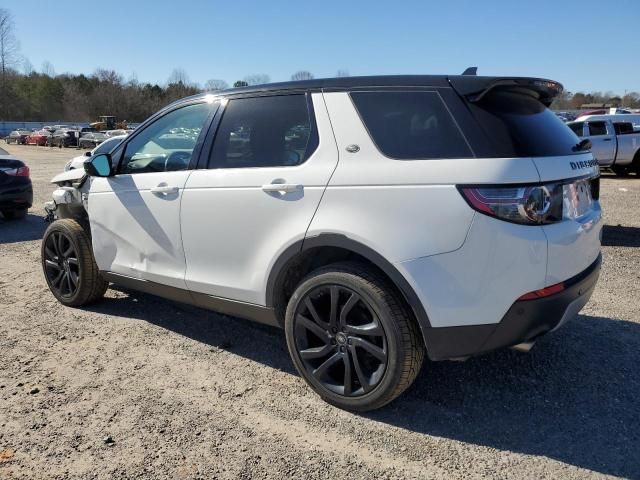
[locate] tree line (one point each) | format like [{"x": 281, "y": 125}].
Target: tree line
[
  {"x": 43, "y": 96},
  {"x": 575, "y": 101}
]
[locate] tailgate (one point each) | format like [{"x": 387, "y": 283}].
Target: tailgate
[{"x": 574, "y": 243}]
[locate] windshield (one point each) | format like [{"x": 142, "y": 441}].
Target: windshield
[{"x": 106, "y": 146}]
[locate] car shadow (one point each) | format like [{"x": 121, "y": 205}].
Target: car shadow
[
  {"x": 31, "y": 227},
  {"x": 573, "y": 398},
  {"x": 262, "y": 343},
  {"x": 619, "y": 236}
]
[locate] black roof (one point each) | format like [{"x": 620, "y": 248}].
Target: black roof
[{"x": 472, "y": 86}]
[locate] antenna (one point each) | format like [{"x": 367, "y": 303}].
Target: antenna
[{"x": 471, "y": 71}]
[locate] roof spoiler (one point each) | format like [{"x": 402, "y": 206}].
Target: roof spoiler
[{"x": 475, "y": 88}]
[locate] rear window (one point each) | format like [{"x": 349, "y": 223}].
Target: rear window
[
  {"x": 518, "y": 125},
  {"x": 411, "y": 125}
]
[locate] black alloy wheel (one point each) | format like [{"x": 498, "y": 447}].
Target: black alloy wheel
[
  {"x": 340, "y": 340},
  {"x": 68, "y": 264},
  {"x": 351, "y": 336},
  {"x": 61, "y": 264}
]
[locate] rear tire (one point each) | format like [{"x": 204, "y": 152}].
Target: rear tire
[
  {"x": 620, "y": 171},
  {"x": 68, "y": 264},
  {"x": 635, "y": 165},
  {"x": 17, "y": 214},
  {"x": 351, "y": 338}
]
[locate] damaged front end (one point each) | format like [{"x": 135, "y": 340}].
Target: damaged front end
[{"x": 69, "y": 200}]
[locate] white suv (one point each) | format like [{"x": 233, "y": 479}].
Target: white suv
[{"x": 373, "y": 218}]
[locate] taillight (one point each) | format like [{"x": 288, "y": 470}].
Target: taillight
[
  {"x": 534, "y": 204},
  {"x": 18, "y": 172}
]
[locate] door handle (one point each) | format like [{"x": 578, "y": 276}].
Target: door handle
[
  {"x": 606, "y": 139},
  {"x": 282, "y": 187},
  {"x": 164, "y": 189}
]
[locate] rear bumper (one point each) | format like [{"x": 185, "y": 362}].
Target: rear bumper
[
  {"x": 525, "y": 321},
  {"x": 16, "y": 196}
]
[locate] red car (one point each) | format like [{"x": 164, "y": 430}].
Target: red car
[{"x": 38, "y": 138}]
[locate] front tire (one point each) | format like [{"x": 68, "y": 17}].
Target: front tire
[
  {"x": 351, "y": 338},
  {"x": 68, "y": 264}
]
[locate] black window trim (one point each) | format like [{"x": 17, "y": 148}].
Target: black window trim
[
  {"x": 410, "y": 90},
  {"x": 206, "y": 162},
  {"x": 197, "y": 149}
]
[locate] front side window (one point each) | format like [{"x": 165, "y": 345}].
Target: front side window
[
  {"x": 411, "y": 125},
  {"x": 168, "y": 143},
  {"x": 264, "y": 132},
  {"x": 597, "y": 128}
]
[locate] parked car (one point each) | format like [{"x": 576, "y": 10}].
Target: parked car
[
  {"x": 39, "y": 137},
  {"x": 18, "y": 137},
  {"x": 615, "y": 142},
  {"x": 373, "y": 218},
  {"x": 91, "y": 139},
  {"x": 16, "y": 192},
  {"x": 64, "y": 137},
  {"x": 115, "y": 133},
  {"x": 105, "y": 147}
]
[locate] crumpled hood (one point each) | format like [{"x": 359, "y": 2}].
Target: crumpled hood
[{"x": 72, "y": 175}]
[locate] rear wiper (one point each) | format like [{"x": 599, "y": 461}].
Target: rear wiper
[{"x": 582, "y": 146}]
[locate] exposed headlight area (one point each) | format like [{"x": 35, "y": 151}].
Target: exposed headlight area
[{"x": 539, "y": 204}]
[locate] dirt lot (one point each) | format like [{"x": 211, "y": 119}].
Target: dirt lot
[{"x": 136, "y": 386}]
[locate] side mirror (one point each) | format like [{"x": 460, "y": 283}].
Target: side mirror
[
  {"x": 99, "y": 166},
  {"x": 87, "y": 154}
]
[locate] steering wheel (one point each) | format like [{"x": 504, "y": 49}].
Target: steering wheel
[{"x": 177, "y": 161}]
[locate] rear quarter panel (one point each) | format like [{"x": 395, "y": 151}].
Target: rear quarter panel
[{"x": 403, "y": 209}]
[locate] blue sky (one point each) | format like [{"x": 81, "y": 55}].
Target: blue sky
[{"x": 586, "y": 45}]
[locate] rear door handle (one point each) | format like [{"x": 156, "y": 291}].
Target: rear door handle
[
  {"x": 164, "y": 189},
  {"x": 606, "y": 139},
  {"x": 282, "y": 187}
]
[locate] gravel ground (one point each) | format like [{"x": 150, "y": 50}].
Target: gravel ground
[{"x": 137, "y": 386}]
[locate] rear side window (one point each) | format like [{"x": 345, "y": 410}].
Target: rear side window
[
  {"x": 623, "y": 128},
  {"x": 597, "y": 128},
  {"x": 411, "y": 125},
  {"x": 518, "y": 125},
  {"x": 275, "y": 131},
  {"x": 577, "y": 128}
]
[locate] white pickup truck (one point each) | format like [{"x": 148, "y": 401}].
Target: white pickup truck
[{"x": 615, "y": 142}]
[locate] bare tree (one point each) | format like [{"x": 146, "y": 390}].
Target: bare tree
[
  {"x": 215, "y": 85},
  {"x": 8, "y": 44},
  {"x": 178, "y": 75},
  {"x": 342, "y": 73},
  {"x": 27, "y": 66},
  {"x": 302, "y": 75},
  {"x": 257, "y": 79},
  {"x": 47, "y": 69}
]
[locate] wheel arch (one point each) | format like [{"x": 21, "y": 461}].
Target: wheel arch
[{"x": 306, "y": 255}]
